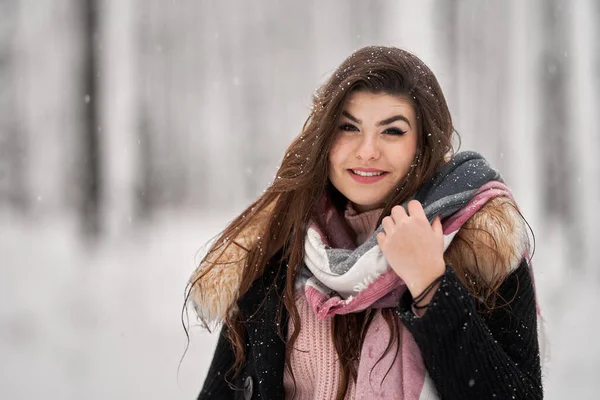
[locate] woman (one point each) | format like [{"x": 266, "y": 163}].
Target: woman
[{"x": 378, "y": 264}]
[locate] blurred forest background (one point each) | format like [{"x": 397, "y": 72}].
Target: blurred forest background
[{"x": 131, "y": 131}]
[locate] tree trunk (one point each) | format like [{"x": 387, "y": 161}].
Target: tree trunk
[
  {"x": 555, "y": 130},
  {"x": 13, "y": 191},
  {"x": 90, "y": 163},
  {"x": 581, "y": 134}
]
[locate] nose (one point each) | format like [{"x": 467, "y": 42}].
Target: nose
[{"x": 368, "y": 148}]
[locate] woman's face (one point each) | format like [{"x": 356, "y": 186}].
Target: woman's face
[{"x": 375, "y": 144}]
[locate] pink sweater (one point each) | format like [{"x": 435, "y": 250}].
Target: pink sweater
[{"x": 314, "y": 360}]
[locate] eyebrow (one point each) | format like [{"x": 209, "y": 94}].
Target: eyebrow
[{"x": 388, "y": 121}]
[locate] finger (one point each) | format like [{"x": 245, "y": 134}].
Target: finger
[
  {"x": 388, "y": 224},
  {"x": 381, "y": 236},
  {"x": 415, "y": 209},
  {"x": 398, "y": 213},
  {"x": 437, "y": 226}
]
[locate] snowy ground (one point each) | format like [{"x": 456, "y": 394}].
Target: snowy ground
[{"x": 105, "y": 322}]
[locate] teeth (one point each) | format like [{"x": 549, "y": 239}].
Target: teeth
[{"x": 361, "y": 173}]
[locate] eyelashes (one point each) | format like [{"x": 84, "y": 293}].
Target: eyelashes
[
  {"x": 388, "y": 131},
  {"x": 348, "y": 128},
  {"x": 395, "y": 131}
]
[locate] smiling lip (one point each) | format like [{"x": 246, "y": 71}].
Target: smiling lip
[{"x": 367, "y": 179}]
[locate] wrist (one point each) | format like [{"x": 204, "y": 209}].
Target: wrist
[
  {"x": 420, "y": 305},
  {"x": 421, "y": 301},
  {"x": 417, "y": 285}
]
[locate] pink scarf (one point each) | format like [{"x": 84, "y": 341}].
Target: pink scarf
[{"x": 341, "y": 278}]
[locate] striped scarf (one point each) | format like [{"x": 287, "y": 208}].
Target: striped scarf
[{"x": 339, "y": 278}]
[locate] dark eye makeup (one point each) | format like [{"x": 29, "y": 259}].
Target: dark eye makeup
[
  {"x": 389, "y": 131},
  {"x": 395, "y": 131}
]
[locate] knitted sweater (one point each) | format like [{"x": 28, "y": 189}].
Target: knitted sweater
[{"x": 314, "y": 361}]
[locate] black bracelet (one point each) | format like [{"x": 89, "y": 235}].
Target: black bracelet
[
  {"x": 416, "y": 307},
  {"x": 425, "y": 292}
]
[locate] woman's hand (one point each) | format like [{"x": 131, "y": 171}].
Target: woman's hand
[{"x": 413, "y": 248}]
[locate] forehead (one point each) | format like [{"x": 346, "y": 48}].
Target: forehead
[{"x": 378, "y": 105}]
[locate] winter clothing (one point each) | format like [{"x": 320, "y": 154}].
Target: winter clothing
[
  {"x": 466, "y": 353},
  {"x": 362, "y": 225},
  {"x": 314, "y": 360},
  {"x": 339, "y": 278}
]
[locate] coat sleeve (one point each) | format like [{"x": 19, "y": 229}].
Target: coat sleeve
[
  {"x": 216, "y": 385},
  {"x": 478, "y": 356},
  {"x": 472, "y": 352}
]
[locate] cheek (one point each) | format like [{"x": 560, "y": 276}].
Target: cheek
[
  {"x": 411, "y": 148},
  {"x": 404, "y": 156},
  {"x": 336, "y": 155}
]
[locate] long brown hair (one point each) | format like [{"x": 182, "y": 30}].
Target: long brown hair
[{"x": 303, "y": 177}]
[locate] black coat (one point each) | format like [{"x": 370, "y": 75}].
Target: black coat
[
  {"x": 469, "y": 355},
  {"x": 262, "y": 376}
]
